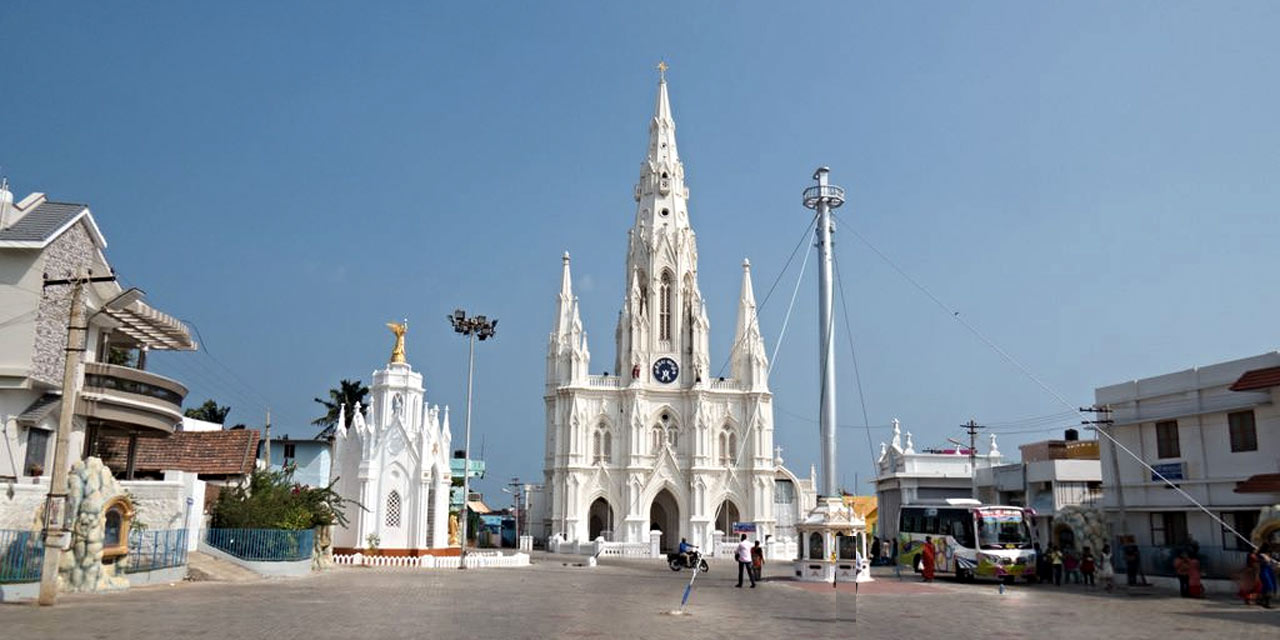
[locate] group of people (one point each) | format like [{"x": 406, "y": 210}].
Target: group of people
[
  {"x": 1259, "y": 576},
  {"x": 1058, "y": 565},
  {"x": 750, "y": 558}
]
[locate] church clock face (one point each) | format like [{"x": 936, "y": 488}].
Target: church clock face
[{"x": 665, "y": 370}]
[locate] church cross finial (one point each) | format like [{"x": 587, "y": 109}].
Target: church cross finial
[{"x": 662, "y": 70}]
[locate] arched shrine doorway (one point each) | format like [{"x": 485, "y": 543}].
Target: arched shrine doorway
[
  {"x": 664, "y": 515},
  {"x": 600, "y": 520},
  {"x": 726, "y": 515}
]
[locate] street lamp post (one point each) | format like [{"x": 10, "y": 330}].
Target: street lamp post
[{"x": 477, "y": 327}]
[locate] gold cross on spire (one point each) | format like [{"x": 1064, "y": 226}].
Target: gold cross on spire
[{"x": 662, "y": 70}]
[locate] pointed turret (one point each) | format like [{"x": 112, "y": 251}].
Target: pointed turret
[
  {"x": 567, "y": 355},
  {"x": 750, "y": 361}
]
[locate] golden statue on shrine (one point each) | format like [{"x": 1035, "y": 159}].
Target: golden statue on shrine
[
  {"x": 453, "y": 530},
  {"x": 397, "y": 352}
]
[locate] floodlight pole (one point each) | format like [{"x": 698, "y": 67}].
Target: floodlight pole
[
  {"x": 823, "y": 198},
  {"x": 470, "y": 327}
]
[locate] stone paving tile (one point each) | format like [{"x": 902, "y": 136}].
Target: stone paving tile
[{"x": 622, "y": 599}]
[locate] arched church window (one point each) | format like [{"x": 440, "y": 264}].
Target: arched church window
[
  {"x": 608, "y": 446},
  {"x": 664, "y": 307},
  {"x": 596, "y": 447},
  {"x": 673, "y": 436},
  {"x": 393, "y": 509},
  {"x": 724, "y": 449},
  {"x": 657, "y": 439}
]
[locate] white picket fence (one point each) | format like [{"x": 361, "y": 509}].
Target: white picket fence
[{"x": 475, "y": 560}]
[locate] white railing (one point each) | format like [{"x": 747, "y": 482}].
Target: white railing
[
  {"x": 475, "y": 560},
  {"x": 627, "y": 549},
  {"x": 609, "y": 382},
  {"x": 727, "y": 384}
]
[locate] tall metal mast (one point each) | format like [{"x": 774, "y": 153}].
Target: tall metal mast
[{"x": 824, "y": 198}]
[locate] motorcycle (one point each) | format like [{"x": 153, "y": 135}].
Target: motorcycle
[{"x": 693, "y": 558}]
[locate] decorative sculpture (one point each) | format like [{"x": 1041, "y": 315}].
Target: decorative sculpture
[
  {"x": 453, "y": 530},
  {"x": 397, "y": 352}
]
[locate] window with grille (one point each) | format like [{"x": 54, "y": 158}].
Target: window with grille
[
  {"x": 1243, "y": 522},
  {"x": 393, "y": 509},
  {"x": 1167, "y": 439},
  {"x": 1244, "y": 431},
  {"x": 1169, "y": 528}
]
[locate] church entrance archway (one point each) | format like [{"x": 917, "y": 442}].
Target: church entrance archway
[
  {"x": 600, "y": 520},
  {"x": 726, "y": 515},
  {"x": 664, "y": 515}
]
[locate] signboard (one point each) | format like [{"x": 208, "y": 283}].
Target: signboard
[
  {"x": 1170, "y": 470},
  {"x": 53, "y": 513},
  {"x": 744, "y": 527}
]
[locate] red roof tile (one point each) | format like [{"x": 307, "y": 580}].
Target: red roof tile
[
  {"x": 1258, "y": 379},
  {"x": 207, "y": 452},
  {"x": 1261, "y": 483}
]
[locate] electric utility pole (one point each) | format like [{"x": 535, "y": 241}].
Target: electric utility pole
[
  {"x": 1103, "y": 423},
  {"x": 55, "y": 506},
  {"x": 972, "y": 428}
]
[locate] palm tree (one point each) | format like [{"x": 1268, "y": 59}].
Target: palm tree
[
  {"x": 210, "y": 411},
  {"x": 348, "y": 393}
]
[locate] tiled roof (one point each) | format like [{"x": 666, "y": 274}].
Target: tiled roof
[
  {"x": 207, "y": 452},
  {"x": 1261, "y": 483},
  {"x": 1258, "y": 379},
  {"x": 42, "y": 407},
  {"x": 39, "y": 224}
]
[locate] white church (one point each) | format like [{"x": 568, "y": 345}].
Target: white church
[
  {"x": 664, "y": 445},
  {"x": 394, "y": 460}
]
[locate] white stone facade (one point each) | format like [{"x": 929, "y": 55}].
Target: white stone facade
[
  {"x": 905, "y": 476},
  {"x": 394, "y": 460},
  {"x": 662, "y": 444}
]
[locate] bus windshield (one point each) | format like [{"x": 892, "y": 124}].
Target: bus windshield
[{"x": 1003, "y": 529}]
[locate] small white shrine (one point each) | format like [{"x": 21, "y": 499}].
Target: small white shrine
[{"x": 393, "y": 459}]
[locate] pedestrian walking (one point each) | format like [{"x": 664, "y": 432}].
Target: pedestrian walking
[
  {"x": 1195, "y": 585},
  {"x": 1131, "y": 561},
  {"x": 1055, "y": 558},
  {"x": 1071, "y": 564},
  {"x": 1182, "y": 569},
  {"x": 928, "y": 556},
  {"x": 743, "y": 555},
  {"x": 1248, "y": 579},
  {"x": 757, "y": 560},
  {"x": 1105, "y": 570},
  {"x": 1044, "y": 570},
  {"x": 1088, "y": 566},
  {"x": 1266, "y": 575}
]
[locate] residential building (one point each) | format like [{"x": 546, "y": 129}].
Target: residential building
[
  {"x": 1214, "y": 432},
  {"x": 1053, "y": 475},
  {"x": 41, "y": 238},
  {"x": 311, "y": 459}
]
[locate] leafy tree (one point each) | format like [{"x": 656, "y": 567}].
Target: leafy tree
[
  {"x": 209, "y": 412},
  {"x": 272, "y": 500},
  {"x": 347, "y": 393}
]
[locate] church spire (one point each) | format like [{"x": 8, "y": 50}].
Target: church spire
[
  {"x": 567, "y": 355},
  {"x": 750, "y": 363}
]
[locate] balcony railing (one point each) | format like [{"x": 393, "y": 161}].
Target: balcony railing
[
  {"x": 608, "y": 382},
  {"x": 111, "y": 377}
]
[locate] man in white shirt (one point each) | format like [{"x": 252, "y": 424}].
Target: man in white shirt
[{"x": 743, "y": 554}]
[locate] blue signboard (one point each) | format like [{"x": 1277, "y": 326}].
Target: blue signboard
[
  {"x": 744, "y": 527},
  {"x": 1170, "y": 470}
]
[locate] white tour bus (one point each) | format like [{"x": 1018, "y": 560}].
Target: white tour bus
[{"x": 969, "y": 539}]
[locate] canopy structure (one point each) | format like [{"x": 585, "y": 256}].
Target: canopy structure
[{"x": 152, "y": 328}]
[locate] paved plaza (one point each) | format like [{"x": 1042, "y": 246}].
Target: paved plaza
[{"x": 622, "y": 599}]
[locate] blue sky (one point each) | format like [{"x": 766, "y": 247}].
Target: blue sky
[{"x": 1092, "y": 185}]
